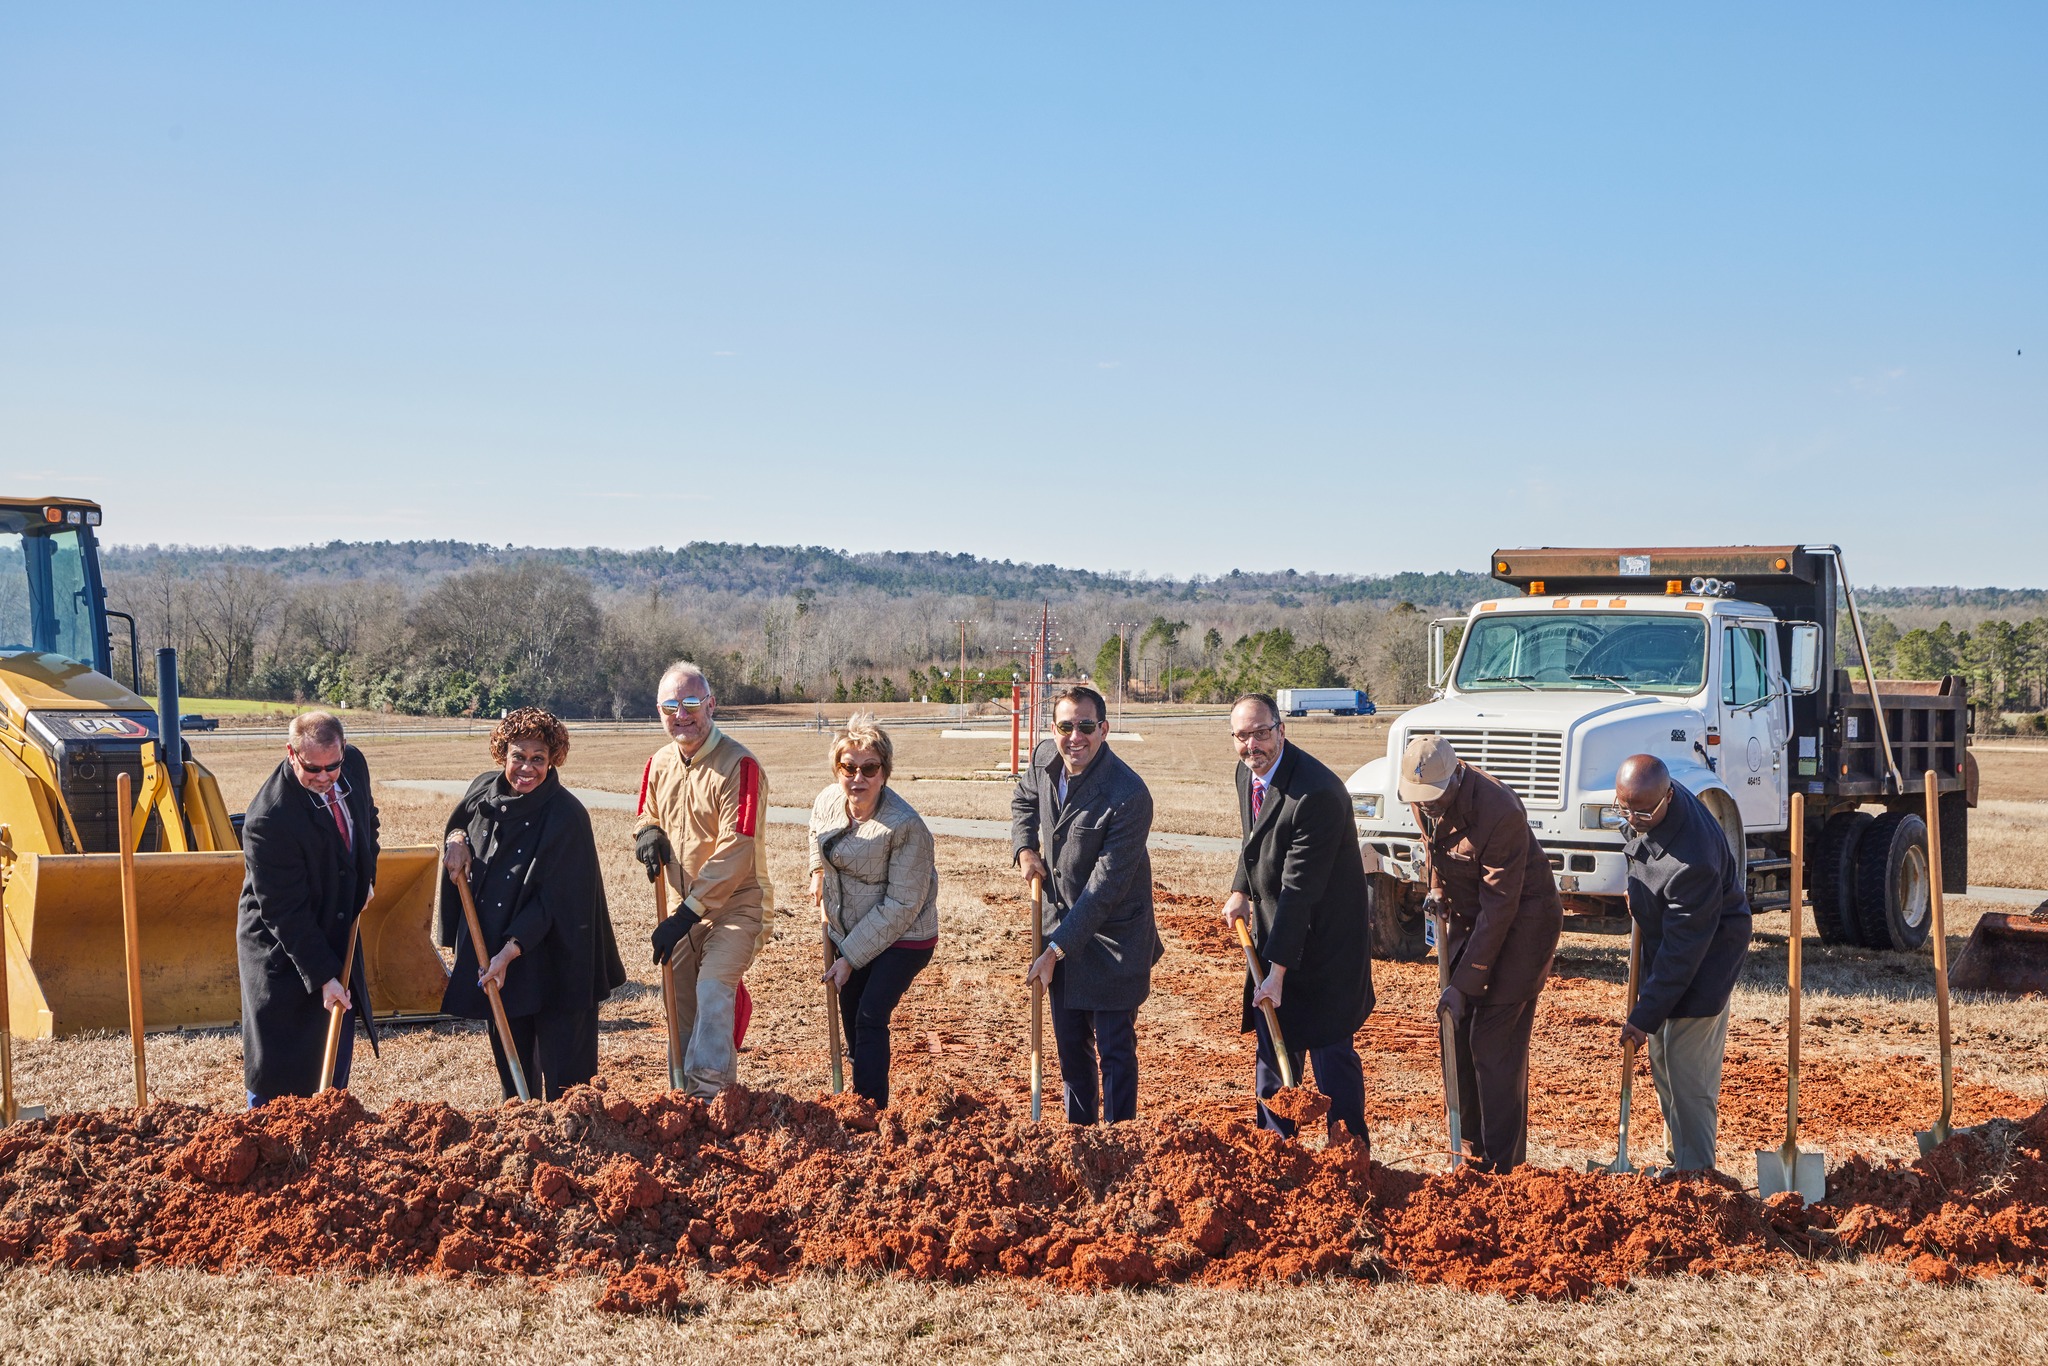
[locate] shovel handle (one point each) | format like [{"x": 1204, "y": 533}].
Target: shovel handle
[
  {"x": 483, "y": 958},
  {"x": 131, "y": 931},
  {"x": 670, "y": 1016},
  {"x": 1795, "y": 935},
  {"x": 335, "y": 1014},
  {"x": 1037, "y": 1001},
  {"x": 1940, "y": 930},
  {"x": 1258, "y": 972},
  {"x": 832, "y": 1004},
  {"x": 6, "y": 1035}
]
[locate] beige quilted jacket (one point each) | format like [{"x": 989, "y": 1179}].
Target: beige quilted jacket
[{"x": 881, "y": 880}]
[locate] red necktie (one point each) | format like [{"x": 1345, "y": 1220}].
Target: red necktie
[
  {"x": 340, "y": 821},
  {"x": 1258, "y": 796}
]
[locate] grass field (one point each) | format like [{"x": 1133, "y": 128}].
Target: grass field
[{"x": 1869, "y": 1082}]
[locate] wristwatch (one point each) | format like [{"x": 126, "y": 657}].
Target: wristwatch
[{"x": 1059, "y": 955}]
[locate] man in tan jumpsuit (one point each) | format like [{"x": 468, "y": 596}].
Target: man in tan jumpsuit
[{"x": 704, "y": 802}]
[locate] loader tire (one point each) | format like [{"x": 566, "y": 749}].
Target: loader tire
[
  {"x": 1892, "y": 882},
  {"x": 1831, "y": 877},
  {"x": 1396, "y": 910}
]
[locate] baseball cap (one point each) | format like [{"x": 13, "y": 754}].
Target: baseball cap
[{"x": 1426, "y": 768}]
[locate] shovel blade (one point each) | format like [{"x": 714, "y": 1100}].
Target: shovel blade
[
  {"x": 1807, "y": 1175},
  {"x": 1930, "y": 1139},
  {"x": 1620, "y": 1166}
]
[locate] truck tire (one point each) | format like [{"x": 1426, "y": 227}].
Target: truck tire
[
  {"x": 1892, "y": 882},
  {"x": 1831, "y": 877},
  {"x": 1396, "y": 911}
]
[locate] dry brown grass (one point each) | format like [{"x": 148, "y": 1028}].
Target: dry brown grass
[{"x": 1833, "y": 1316}]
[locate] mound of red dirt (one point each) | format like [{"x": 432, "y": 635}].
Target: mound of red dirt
[{"x": 944, "y": 1186}]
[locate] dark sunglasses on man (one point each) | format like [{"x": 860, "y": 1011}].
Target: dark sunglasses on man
[
  {"x": 1085, "y": 727},
  {"x": 671, "y": 705},
  {"x": 300, "y": 759}
]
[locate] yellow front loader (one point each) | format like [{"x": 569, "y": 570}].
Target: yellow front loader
[{"x": 68, "y": 729}]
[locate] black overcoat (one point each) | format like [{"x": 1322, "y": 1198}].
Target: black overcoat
[
  {"x": 535, "y": 876},
  {"x": 1099, "y": 906},
  {"x": 1300, "y": 866},
  {"x": 302, "y": 886},
  {"x": 1692, "y": 901}
]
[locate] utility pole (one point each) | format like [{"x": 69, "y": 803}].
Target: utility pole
[
  {"x": 1123, "y": 631},
  {"x": 963, "y": 623}
]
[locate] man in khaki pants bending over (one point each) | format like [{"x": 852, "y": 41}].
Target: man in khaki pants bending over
[{"x": 701, "y": 814}]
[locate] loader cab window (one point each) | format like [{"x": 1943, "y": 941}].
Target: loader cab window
[{"x": 45, "y": 594}]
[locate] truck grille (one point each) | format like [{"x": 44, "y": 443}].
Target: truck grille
[{"x": 1530, "y": 763}]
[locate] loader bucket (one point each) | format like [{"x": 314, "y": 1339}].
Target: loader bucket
[
  {"x": 66, "y": 956},
  {"x": 2006, "y": 953}
]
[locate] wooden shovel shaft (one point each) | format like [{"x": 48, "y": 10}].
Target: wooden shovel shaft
[
  {"x": 1037, "y": 1001},
  {"x": 6, "y": 1034},
  {"x": 670, "y": 1016},
  {"x": 1940, "y": 929},
  {"x": 131, "y": 932},
  {"x": 1258, "y": 972},
  {"x": 1795, "y": 934},
  {"x": 335, "y": 1014},
  {"x": 483, "y": 959},
  {"x": 832, "y": 1004},
  {"x": 1628, "y": 1047}
]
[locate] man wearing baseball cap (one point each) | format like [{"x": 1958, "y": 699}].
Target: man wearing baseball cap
[{"x": 1498, "y": 917}]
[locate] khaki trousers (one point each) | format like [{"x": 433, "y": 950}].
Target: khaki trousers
[
  {"x": 1685, "y": 1061},
  {"x": 708, "y": 966}
]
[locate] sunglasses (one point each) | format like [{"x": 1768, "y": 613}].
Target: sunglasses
[
  {"x": 334, "y": 767},
  {"x": 866, "y": 770},
  {"x": 671, "y": 705},
  {"x": 1255, "y": 733},
  {"x": 1085, "y": 727}
]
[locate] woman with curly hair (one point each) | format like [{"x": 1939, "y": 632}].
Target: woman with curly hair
[
  {"x": 524, "y": 843},
  {"x": 874, "y": 872}
]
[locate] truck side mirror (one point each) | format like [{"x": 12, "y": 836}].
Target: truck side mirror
[{"x": 1803, "y": 674}]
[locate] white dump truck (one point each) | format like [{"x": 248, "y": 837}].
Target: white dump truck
[{"x": 1722, "y": 662}]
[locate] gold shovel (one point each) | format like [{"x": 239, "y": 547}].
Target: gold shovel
[
  {"x": 1930, "y": 1139},
  {"x": 1786, "y": 1168},
  {"x": 1258, "y": 971},
  {"x": 1621, "y": 1166},
  {"x": 1037, "y": 1000}
]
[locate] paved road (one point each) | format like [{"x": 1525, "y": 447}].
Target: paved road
[{"x": 959, "y": 827}]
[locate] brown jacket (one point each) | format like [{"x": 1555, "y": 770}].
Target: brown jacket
[{"x": 1505, "y": 916}]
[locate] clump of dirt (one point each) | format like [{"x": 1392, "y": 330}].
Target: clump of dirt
[
  {"x": 1299, "y": 1104},
  {"x": 645, "y": 1290},
  {"x": 945, "y": 1185}
]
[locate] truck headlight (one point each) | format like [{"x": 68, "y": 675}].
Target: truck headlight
[
  {"x": 1596, "y": 817},
  {"x": 1367, "y": 805}
]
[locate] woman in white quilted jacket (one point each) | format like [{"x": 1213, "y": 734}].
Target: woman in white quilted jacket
[{"x": 874, "y": 874}]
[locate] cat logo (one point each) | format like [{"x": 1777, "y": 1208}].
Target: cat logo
[{"x": 112, "y": 726}]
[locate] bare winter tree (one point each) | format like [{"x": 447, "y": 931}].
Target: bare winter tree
[{"x": 231, "y": 606}]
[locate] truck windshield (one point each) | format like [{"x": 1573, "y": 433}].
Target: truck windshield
[
  {"x": 44, "y": 597},
  {"x": 1589, "y": 651}
]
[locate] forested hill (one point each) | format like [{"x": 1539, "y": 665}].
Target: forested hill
[{"x": 777, "y": 571}]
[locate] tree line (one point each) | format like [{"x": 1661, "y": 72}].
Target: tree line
[{"x": 533, "y": 631}]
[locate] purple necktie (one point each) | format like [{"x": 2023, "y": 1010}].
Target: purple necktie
[{"x": 1258, "y": 795}]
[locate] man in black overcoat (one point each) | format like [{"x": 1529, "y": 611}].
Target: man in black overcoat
[
  {"x": 309, "y": 846},
  {"x": 1301, "y": 884},
  {"x": 1079, "y": 820}
]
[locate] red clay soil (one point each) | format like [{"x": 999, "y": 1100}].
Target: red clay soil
[{"x": 946, "y": 1186}]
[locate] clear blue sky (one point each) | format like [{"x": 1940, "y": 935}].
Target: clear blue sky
[{"x": 1172, "y": 288}]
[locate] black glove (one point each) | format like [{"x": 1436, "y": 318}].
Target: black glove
[
  {"x": 1454, "y": 1003},
  {"x": 670, "y": 932},
  {"x": 652, "y": 849}
]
